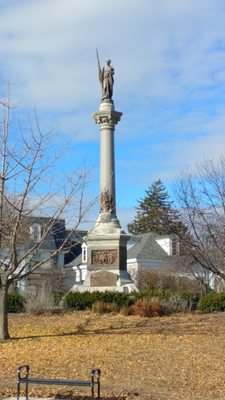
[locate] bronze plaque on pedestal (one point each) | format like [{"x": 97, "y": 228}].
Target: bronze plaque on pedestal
[{"x": 104, "y": 257}]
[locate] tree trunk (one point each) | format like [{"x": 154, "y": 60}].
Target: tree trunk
[{"x": 4, "y": 333}]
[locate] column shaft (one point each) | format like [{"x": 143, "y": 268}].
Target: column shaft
[{"x": 107, "y": 162}]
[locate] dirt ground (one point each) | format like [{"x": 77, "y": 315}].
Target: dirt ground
[{"x": 177, "y": 357}]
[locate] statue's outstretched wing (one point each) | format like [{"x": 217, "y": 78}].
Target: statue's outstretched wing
[{"x": 100, "y": 71}]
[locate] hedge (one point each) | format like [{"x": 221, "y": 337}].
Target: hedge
[{"x": 85, "y": 300}]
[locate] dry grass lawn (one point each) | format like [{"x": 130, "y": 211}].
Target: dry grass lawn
[{"x": 177, "y": 357}]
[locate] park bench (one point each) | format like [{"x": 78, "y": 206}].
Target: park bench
[{"x": 23, "y": 378}]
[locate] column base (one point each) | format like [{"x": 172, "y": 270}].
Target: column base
[{"x": 106, "y": 222}]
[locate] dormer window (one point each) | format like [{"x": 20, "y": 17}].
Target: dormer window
[
  {"x": 35, "y": 232},
  {"x": 84, "y": 253}
]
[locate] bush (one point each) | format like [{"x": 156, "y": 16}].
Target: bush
[
  {"x": 42, "y": 301},
  {"x": 58, "y": 296},
  {"x": 188, "y": 298},
  {"x": 212, "y": 302},
  {"x": 147, "y": 279},
  {"x": 147, "y": 307},
  {"x": 101, "y": 307},
  {"x": 78, "y": 300},
  {"x": 85, "y": 300},
  {"x": 153, "y": 280},
  {"x": 176, "y": 303},
  {"x": 191, "y": 298},
  {"x": 15, "y": 303}
]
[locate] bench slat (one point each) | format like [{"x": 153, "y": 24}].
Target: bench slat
[{"x": 56, "y": 382}]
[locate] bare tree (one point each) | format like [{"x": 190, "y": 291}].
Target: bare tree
[
  {"x": 201, "y": 199},
  {"x": 25, "y": 188}
]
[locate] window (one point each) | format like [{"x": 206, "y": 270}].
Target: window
[
  {"x": 77, "y": 277},
  {"x": 84, "y": 253},
  {"x": 175, "y": 247},
  {"x": 35, "y": 231}
]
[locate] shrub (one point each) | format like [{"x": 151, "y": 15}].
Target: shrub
[
  {"x": 101, "y": 307},
  {"x": 147, "y": 279},
  {"x": 58, "y": 296},
  {"x": 15, "y": 303},
  {"x": 176, "y": 303},
  {"x": 212, "y": 302},
  {"x": 147, "y": 307},
  {"x": 78, "y": 300},
  {"x": 188, "y": 298},
  {"x": 149, "y": 293},
  {"x": 191, "y": 298},
  {"x": 160, "y": 280},
  {"x": 42, "y": 302}
]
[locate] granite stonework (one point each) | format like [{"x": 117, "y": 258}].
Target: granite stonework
[{"x": 107, "y": 242}]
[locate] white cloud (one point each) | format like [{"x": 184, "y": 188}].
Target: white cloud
[
  {"x": 169, "y": 59},
  {"x": 49, "y": 47}
]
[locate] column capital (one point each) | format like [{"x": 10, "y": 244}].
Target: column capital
[{"x": 107, "y": 117}]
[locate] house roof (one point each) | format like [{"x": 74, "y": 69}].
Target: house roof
[
  {"x": 76, "y": 261},
  {"x": 56, "y": 236},
  {"x": 75, "y": 242},
  {"x": 145, "y": 246}
]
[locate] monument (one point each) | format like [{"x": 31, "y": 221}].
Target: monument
[{"x": 106, "y": 243}]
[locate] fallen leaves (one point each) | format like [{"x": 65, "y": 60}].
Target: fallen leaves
[{"x": 178, "y": 357}]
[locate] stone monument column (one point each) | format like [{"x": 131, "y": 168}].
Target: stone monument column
[
  {"x": 107, "y": 118},
  {"x": 107, "y": 242}
]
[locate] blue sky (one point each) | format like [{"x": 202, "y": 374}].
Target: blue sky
[{"x": 169, "y": 60}]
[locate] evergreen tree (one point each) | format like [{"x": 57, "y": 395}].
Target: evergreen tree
[{"x": 155, "y": 213}]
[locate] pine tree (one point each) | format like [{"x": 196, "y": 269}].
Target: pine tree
[{"x": 155, "y": 213}]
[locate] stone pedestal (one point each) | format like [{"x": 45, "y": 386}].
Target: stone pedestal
[
  {"x": 107, "y": 257},
  {"x": 106, "y": 242}
]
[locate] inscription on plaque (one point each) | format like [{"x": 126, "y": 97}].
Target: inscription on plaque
[
  {"x": 103, "y": 278},
  {"x": 104, "y": 257}
]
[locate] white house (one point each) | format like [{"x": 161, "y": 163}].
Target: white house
[{"x": 150, "y": 251}]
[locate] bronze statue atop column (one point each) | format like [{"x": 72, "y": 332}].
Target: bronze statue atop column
[{"x": 106, "y": 79}]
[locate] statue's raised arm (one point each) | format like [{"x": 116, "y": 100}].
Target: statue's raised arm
[{"x": 106, "y": 79}]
